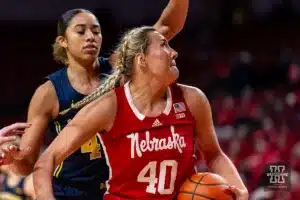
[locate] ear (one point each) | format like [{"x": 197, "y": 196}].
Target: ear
[
  {"x": 141, "y": 60},
  {"x": 62, "y": 41}
]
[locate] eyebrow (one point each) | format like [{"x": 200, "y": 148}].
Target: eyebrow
[{"x": 84, "y": 25}]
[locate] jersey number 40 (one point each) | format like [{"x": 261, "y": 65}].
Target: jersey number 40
[{"x": 148, "y": 175}]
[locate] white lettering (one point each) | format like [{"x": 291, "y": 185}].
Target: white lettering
[{"x": 138, "y": 147}]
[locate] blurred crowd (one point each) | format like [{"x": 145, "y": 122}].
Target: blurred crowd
[{"x": 257, "y": 126}]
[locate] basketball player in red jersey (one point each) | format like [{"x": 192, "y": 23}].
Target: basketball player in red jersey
[
  {"x": 148, "y": 127},
  {"x": 7, "y": 134}
]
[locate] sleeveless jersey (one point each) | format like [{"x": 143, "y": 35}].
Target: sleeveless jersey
[
  {"x": 13, "y": 192},
  {"x": 82, "y": 174},
  {"x": 149, "y": 157}
]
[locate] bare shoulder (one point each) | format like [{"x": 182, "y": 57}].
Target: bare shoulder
[
  {"x": 105, "y": 103},
  {"x": 45, "y": 99},
  {"x": 193, "y": 95},
  {"x": 103, "y": 110},
  {"x": 196, "y": 100}
]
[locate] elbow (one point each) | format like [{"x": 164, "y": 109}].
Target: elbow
[{"x": 43, "y": 167}]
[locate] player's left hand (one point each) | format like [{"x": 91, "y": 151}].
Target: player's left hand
[{"x": 239, "y": 194}]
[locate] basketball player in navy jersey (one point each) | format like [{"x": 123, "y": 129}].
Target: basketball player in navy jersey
[
  {"x": 82, "y": 174},
  {"x": 148, "y": 127}
]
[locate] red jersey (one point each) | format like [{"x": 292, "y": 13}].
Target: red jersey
[{"x": 149, "y": 157}]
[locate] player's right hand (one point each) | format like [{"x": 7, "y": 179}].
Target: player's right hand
[{"x": 9, "y": 141}]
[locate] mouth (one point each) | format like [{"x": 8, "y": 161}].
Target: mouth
[
  {"x": 90, "y": 47},
  {"x": 173, "y": 63}
]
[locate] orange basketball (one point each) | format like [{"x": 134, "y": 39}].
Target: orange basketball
[{"x": 205, "y": 186}]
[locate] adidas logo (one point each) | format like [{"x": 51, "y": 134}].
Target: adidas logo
[{"x": 156, "y": 123}]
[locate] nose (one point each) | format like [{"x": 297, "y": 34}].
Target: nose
[
  {"x": 90, "y": 35},
  {"x": 174, "y": 54}
]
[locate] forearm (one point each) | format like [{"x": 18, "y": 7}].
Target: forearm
[
  {"x": 223, "y": 166},
  {"x": 22, "y": 167},
  {"x": 173, "y": 18},
  {"x": 42, "y": 178}
]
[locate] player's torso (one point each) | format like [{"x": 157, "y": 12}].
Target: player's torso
[
  {"x": 85, "y": 170},
  {"x": 151, "y": 156}
]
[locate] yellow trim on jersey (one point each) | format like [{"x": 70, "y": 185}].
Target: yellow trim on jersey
[
  {"x": 59, "y": 168},
  {"x": 9, "y": 196}
]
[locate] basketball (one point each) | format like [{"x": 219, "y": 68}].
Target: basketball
[{"x": 205, "y": 186}]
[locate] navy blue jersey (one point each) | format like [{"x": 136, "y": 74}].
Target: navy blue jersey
[
  {"x": 83, "y": 174},
  {"x": 13, "y": 192}
]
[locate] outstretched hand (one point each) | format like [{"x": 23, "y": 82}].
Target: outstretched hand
[{"x": 9, "y": 142}]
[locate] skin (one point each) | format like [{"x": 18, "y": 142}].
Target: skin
[
  {"x": 9, "y": 139},
  {"x": 83, "y": 70},
  {"x": 158, "y": 66}
]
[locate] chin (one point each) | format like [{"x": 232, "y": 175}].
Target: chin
[{"x": 173, "y": 78}]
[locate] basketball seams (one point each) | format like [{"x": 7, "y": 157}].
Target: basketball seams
[
  {"x": 197, "y": 185},
  {"x": 198, "y": 195}
]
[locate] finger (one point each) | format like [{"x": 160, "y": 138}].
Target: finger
[
  {"x": 2, "y": 156},
  {"x": 4, "y": 139},
  {"x": 13, "y": 148},
  {"x": 22, "y": 153},
  {"x": 237, "y": 192},
  {"x": 231, "y": 193},
  {"x": 8, "y": 129},
  {"x": 17, "y": 132}
]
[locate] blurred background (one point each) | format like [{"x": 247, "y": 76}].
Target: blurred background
[{"x": 242, "y": 53}]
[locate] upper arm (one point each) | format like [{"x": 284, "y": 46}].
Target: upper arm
[
  {"x": 42, "y": 108},
  {"x": 96, "y": 117},
  {"x": 205, "y": 131}
]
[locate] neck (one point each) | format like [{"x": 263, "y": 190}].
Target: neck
[
  {"x": 147, "y": 94},
  {"x": 87, "y": 73}
]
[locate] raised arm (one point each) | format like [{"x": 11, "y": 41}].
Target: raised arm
[
  {"x": 172, "y": 19},
  {"x": 216, "y": 159},
  {"x": 40, "y": 111},
  {"x": 96, "y": 117},
  {"x": 170, "y": 22}
]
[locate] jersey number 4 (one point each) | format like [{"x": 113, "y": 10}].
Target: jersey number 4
[
  {"x": 148, "y": 175},
  {"x": 93, "y": 147}
]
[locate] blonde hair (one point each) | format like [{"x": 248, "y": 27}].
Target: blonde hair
[{"x": 133, "y": 42}]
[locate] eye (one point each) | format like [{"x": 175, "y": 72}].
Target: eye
[
  {"x": 163, "y": 44},
  {"x": 80, "y": 32}
]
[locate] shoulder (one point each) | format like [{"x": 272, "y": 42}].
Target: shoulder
[
  {"x": 102, "y": 109},
  {"x": 46, "y": 90},
  {"x": 192, "y": 93},
  {"x": 195, "y": 99},
  {"x": 44, "y": 98},
  {"x": 105, "y": 102}
]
